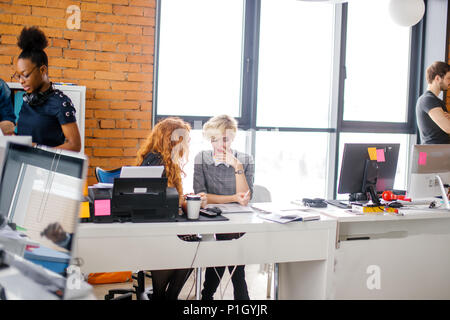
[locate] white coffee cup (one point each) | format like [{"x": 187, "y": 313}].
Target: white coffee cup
[{"x": 193, "y": 206}]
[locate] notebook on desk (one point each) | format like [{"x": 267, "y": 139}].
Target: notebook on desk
[
  {"x": 231, "y": 207},
  {"x": 290, "y": 216}
]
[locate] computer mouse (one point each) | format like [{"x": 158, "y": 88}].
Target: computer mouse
[{"x": 216, "y": 210}]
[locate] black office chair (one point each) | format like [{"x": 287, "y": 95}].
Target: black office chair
[{"x": 107, "y": 176}]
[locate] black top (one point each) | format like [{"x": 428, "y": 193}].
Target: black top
[
  {"x": 43, "y": 122},
  {"x": 154, "y": 159},
  {"x": 430, "y": 132}
]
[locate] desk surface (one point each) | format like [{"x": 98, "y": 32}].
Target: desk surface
[
  {"x": 238, "y": 222},
  {"x": 152, "y": 246},
  {"x": 344, "y": 215}
]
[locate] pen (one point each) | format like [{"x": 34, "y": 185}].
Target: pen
[{"x": 247, "y": 193}]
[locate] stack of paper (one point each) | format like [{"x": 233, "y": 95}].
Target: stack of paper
[
  {"x": 288, "y": 216},
  {"x": 102, "y": 185}
]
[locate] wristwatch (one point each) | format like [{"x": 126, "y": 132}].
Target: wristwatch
[{"x": 239, "y": 172}]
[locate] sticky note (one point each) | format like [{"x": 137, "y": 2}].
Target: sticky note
[
  {"x": 372, "y": 153},
  {"x": 422, "y": 158},
  {"x": 380, "y": 155},
  {"x": 84, "y": 210},
  {"x": 102, "y": 207},
  {"x": 85, "y": 189}
]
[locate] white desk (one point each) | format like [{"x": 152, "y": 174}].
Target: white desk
[
  {"x": 303, "y": 249},
  {"x": 410, "y": 254}
]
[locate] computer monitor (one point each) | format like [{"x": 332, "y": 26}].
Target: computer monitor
[
  {"x": 26, "y": 140},
  {"x": 40, "y": 188},
  {"x": 427, "y": 163},
  {"x": 368, "y": 169}
]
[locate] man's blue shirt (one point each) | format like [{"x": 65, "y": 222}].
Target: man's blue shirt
[{"x": 6, "y": 107}]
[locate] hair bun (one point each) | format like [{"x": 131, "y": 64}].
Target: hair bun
[{"x": 32, "y": 39}]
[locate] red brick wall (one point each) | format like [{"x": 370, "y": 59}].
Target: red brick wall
[{"x": 112, "y": 55}]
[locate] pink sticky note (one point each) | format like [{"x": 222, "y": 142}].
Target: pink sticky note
[
  {"x": 102, "y": 207},
  {"x": 380, "y": 155},
  {"x": 422, "y": 158}
]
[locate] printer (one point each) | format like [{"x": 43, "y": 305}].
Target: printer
[{"x": 143, "y": 200}]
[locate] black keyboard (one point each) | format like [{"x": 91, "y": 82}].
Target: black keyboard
[{"x": 338, "y": 203}]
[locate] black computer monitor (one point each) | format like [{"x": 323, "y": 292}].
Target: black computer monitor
[{"x": 368, "y": 169}]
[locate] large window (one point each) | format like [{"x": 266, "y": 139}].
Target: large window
[
  {"x": 199, "y": 60},
  {"x": 377, "y": 64},
  {"x": 295, "y": 56},
  {"x": 301, "y": 77}
]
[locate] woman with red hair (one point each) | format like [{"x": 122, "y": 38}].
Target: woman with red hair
[{"x": 168, "y": 146}]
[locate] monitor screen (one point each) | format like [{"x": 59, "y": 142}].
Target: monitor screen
[
  {"x": 383, "y": 157},
  {"x": 40, "y": 192},
  {"x": 26, "y": 140},
  {"x": 427, "y": 161}
]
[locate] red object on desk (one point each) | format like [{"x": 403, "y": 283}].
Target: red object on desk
[{"x": 389, "y": 196}]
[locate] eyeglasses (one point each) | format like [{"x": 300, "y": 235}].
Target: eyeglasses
[{"x": 18, "y": 77}]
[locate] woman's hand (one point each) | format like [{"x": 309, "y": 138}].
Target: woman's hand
[
  {"x": 204, "y": 199},
  {"x": 243, "y": 198},
  {"x": 228, "y": 158},
  {"x": 7, "y": 127}
]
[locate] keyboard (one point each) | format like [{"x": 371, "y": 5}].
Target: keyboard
[{"x": 338, "y": 203}]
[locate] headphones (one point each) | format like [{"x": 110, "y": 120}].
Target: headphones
[{"x": 37, "y": 98}]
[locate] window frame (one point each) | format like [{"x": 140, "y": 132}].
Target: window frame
[{"x": 337, "y": 125}]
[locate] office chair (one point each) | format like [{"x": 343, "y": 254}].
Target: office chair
[
  {"x": 262, "y": 194},
  {"x": 107, "y": 176}
]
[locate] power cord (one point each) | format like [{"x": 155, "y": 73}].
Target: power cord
[
  {"x": 220, "y": 280},
  {"x": 192, "y": 263}
]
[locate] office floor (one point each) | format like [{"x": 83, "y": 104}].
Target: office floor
[{"x": 256, "y": 283}]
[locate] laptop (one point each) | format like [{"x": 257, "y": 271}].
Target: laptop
[{"x": 40, "y": 194}]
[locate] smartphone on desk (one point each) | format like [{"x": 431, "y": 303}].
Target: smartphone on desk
[{"x": 210, "y": 212}]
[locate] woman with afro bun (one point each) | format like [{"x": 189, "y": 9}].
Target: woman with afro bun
[{"x": 47, "y": 114}]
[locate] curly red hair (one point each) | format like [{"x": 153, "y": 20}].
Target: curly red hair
[{"x": 169, "y": 138}]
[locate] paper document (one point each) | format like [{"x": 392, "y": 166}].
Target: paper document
[
  {"x": 142, "y": 172},
  {"x": 102, "y": 185},
  {"x": 269, "y": 207},
  {"x": 288, "y": 216},
  {"x": 231, "y": 207}
]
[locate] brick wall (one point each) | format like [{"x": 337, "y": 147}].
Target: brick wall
[{"x": 112, "y": 55}]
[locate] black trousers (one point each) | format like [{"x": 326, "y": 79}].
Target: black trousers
[
  {"x": 167, "y": 284},
  {"x": 212, "y": 281}
]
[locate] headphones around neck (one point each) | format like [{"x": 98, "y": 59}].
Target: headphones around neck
[{"x": 37, "y": 98}]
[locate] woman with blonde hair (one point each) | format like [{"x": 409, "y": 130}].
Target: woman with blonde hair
[
  {"x": 225, "y": 175},
  {"x": 168, "y": 146}
]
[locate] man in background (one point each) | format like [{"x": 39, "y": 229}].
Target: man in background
[
  {"x": 7, "y": 116},
  {"x": 433, "y": 118}
]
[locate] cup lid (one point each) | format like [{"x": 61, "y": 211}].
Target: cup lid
[{"x": 193, "y": 197}]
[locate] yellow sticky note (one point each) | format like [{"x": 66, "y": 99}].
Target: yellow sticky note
[
  {"x": 84, "y": 210},
  {"x": 372, "y": 153}
]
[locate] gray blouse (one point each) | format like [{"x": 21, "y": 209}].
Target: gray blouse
[{"x": 220, "y": 179}]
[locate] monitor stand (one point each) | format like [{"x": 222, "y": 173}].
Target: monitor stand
[{"x": 370, "y": 179}]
